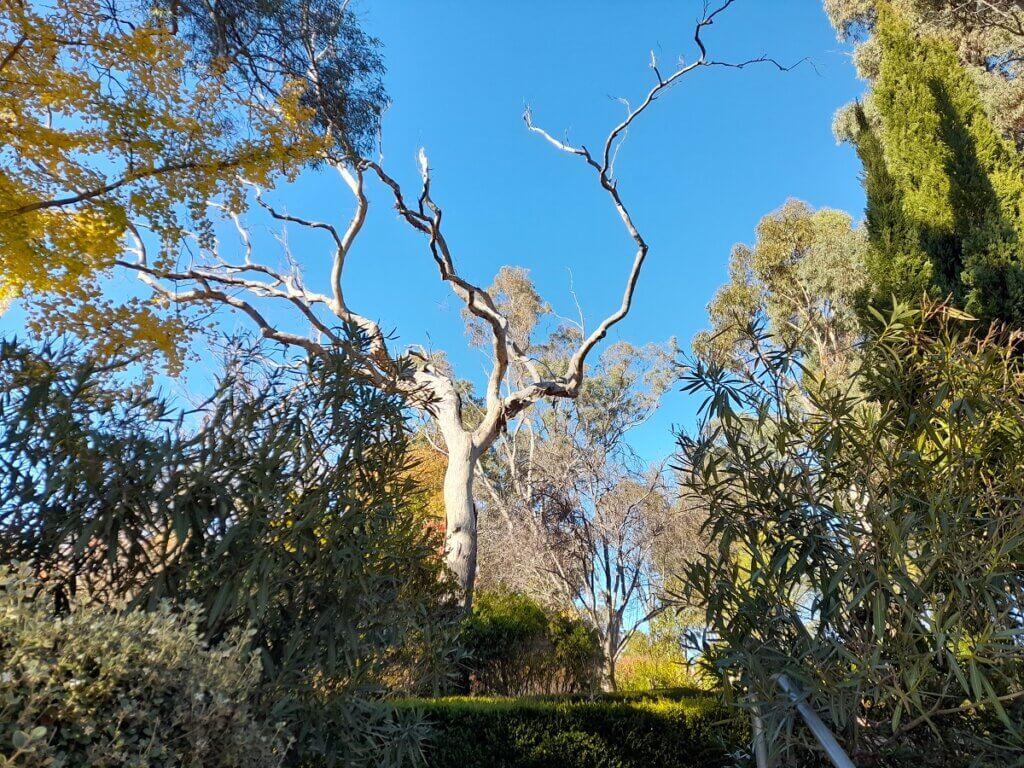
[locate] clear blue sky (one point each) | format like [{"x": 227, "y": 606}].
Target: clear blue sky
[{"x": 699, "y": 169}]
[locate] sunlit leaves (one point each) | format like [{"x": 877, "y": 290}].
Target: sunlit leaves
[
  {"x": 868, "y": 539},
  {"x": 122, "y": 120}
]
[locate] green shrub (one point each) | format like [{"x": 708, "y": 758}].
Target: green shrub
[
  {"x": 610, "y": 732},
  {"x": 515, "y": 648},
  {"x": 100, "y": 688},
  {"x": 573, "y": 748},
  {"x": 576, "y": 658},
  {"x": 287, "y": 509},
  {"x": 652, "y": 671},
  {"x": 656, "y": 659},
  {"x": 868, "y": 541}
]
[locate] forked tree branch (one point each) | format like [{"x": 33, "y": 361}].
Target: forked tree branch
[
  {"x": 568, "y": 385},
  {"x": 225, "y": 282}
]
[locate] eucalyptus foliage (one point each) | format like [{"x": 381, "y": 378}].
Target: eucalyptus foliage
[
  {"x": 803, "y": 279},
  {"x": 868, "y": 539}
]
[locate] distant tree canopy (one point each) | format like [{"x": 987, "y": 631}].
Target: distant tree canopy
[
  {"x": 944, "y": 182},
  {"x": 124, "y": 119},
  {"x": 802, "y": 280}
]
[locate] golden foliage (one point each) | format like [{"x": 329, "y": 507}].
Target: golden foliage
[
  {"x": 108, "y": 125},
  {"x": 426, "y": 469}
]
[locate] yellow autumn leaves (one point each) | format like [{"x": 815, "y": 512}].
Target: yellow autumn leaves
[{"x": 107, "y": 121}]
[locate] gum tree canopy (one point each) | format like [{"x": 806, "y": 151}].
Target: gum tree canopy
[{"x": 254, "y": 285}]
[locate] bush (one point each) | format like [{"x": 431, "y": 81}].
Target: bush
[
  {"x": 656, "y": 659},
  {"x": 515, "y": 647},
  {"x": 287, "y": 510},
  {"x": 100, "y": 688},
  {"x": 868, "y": 540},
  {"x": 610, "y": 732},
  {"x": 643, "y": 668},
  {"x": 577, "y": 657}
]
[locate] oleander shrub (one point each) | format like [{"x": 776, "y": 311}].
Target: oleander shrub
[
  {"x": 284, "y": 507},
  {"x": 867, "y": 540},
  {"x": 606, "y": 732},
  {"x": 515, "y": 647},
  {"x": 99, "y": 688}
]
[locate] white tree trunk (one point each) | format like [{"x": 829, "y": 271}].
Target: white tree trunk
[
  {"x": 460, "y": 516},
  {"x": 460, "y": 538},
  {"x": 611, "y": 650}
]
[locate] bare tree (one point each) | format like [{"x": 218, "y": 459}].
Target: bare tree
[
  {"x": 614, "y": 529},
  {"x": 212, "y": 279},
  {"x": 534, "y": 479},
  {"x": 570, "y": 514}
]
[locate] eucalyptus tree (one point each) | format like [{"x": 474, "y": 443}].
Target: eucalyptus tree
[
  {"x": 526, "y": 481},
  {"x": 210, "y": 279},
  {"x": 802, "y": 281},
  {"x": 569, "y": 514}
]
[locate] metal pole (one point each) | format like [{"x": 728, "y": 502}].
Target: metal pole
[{"x": 821, "y": 732}]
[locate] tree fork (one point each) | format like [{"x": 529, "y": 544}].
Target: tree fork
[{"x": 430, "y": 390}]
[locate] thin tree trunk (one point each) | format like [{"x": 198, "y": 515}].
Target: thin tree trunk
[
  {"x": 610, "y": 662},
  {"x": 612, "y": 649}
]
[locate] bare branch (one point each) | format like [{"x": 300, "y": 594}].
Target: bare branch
[{"x": 605, "y": 169}]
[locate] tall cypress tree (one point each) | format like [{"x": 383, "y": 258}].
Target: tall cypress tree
[
  {"x": 895, "y": 260},
  {"x": 945, "y": 191}
]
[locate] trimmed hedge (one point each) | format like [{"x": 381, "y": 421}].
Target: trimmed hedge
[{"x": 612, "y": 732}]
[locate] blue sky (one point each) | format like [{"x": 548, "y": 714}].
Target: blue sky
[{"x": 699, "y": 169}]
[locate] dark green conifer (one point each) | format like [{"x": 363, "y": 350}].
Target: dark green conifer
[{"x": 945, "y": 191}]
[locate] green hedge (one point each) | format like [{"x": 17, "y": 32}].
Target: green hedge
[{"x": 614, "y": 732}]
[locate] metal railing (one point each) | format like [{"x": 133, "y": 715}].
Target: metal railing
[{"x": 825, "y": 737}]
